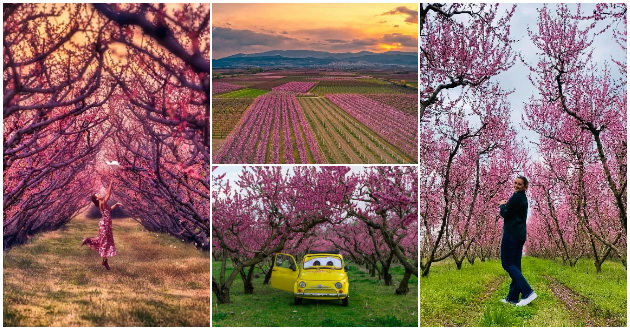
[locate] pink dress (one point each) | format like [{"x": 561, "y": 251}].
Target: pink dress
[{"x": 104, "y": 242}]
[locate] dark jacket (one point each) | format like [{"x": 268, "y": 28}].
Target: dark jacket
[{"x": 514, "y": 214}]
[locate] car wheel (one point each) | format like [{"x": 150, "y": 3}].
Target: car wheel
[
  {"x": 297, "y": 301},
  {"x": 344, "y": 301}
]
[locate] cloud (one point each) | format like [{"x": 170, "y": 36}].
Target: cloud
[
  {"x": 365, "y": 42},
  {"x": 412, "y": 15},
  {"x": 222, "y": 37},
  {"x": 403, "y": 39},
  {"x": 396, "y": 25},
  {"x": 326, "y": 33},
  {"x": 227, "y": 41},
  {"x": 382, "y": 22}
]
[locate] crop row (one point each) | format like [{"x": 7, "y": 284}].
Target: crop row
[
  {"x": 395, "y": 126},
  {"x": 295, "y": 86},
  {"x": 369, "y": 89},
  {"x": 219, "y": 87},
  {"x": 273, "y": 130},
  {"x": 352, "y": 82},
  {"x": 226, "y": 112},
  {"x": 405, "y": 102},
  {"x": 343, "y": 139}
]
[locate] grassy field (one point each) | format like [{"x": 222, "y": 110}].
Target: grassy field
[
  {"x": 155, "y": 280},
  {"x": 566, "y": 296},
  {"x": 247, "y": 93},
  {"x": 370, "y": 304}
]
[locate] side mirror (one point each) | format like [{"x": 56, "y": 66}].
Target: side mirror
[
  {"x": 292, "y": 267},
  {"x": 346, "y": 268}
]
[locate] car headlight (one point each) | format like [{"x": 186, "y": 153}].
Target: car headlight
[
  {"x": 338, "y": 285},
  {"x": 302, "y": 284}
]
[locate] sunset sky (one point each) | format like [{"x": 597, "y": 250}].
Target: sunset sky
[{"x": 253, "y": 28}]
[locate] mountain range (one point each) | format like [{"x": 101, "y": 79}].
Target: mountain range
[{"x": 312, "y": 58}]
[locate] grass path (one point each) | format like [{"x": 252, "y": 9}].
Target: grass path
[
  {"x": 566, "y": 296},
  {"x": 155, "y": 280},
  {"x": 370, "y": 304}
]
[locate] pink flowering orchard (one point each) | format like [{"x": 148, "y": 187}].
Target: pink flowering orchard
[
  {"x": 71, "y": 103},
  {"x": 586, "y": 144},
  {"x": 370, "y": 214},
  {"x": 479, "y": 47},
  {"x": 568, "y": 137}
]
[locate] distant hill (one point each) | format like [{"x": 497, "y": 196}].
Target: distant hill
[{"x": 311, "y": 58}]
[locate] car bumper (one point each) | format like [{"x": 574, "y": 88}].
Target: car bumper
[{"x": 321, "y": 295}]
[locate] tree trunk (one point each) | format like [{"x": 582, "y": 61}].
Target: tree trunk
[
  {"x": 598, "y": 265},
  {"x": 221, "y": 292},
  {"x": 269, "y": 272},
  {"x": 387, "y": 277},
  {"x": 248, "y": 285},
  {"x": 458, "y": 263},
  {"x": 425, "y": 271},
  {"x": 403, "y": 288},
  {"x": 471, "y": 259}
]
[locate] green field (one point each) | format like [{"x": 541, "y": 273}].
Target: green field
[
  {"x": 370, "y": 304},
  {"x": 246, "y": 93},
  {"x": 155, "y": 280},
  {"x": 566, "y": 296}
]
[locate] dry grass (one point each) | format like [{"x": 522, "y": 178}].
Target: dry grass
[{"x": 155, "y": 280}]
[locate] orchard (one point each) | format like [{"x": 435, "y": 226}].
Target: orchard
[
  {"x": 565, "y": 66},
  {"x": 89, "y": 84},
  {"x": 369, "y": 214}
]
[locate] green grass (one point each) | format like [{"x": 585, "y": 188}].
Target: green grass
[
  {"x": 370, "y": 304},
  {"x": 156, "y": 280},
  {"x": 246, "y": 92},
  {"x": 471, "y": 296}
]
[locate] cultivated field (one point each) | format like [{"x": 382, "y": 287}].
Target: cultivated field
[{"x": 283, "y": 117}]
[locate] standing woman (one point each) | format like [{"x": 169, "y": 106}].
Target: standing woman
[
  {"x": 104, "y": 242},
  {"x": 514, "y": 213}
]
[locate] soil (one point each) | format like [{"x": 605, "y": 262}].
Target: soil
[{"x": 580, "y": 307}]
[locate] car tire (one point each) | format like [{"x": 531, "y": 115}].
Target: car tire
[
  {"x": 297, "y": 301},
  {"x": 344, "y": 301}
]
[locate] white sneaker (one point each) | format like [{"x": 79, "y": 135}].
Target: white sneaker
[
  {"x": 506, "y": 302},
  {"x": 527, "y": 300}
]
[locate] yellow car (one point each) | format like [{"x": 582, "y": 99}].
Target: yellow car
[{"x": 320, "y": 275}]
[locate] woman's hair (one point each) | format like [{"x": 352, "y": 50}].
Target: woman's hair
[
  {"x": 525, "y": 181},
  {"x": 95, "y": 200}
]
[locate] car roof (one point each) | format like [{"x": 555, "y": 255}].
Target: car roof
[{"x": 323, "y": 255}]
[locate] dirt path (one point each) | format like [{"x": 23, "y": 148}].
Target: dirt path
[
  {"x": 492, "y": 288},
  {"x": 581, "y": 307}
]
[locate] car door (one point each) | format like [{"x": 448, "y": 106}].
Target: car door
[{"x": 285, "y": 272}]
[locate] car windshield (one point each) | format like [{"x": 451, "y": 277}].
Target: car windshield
[{"x": 325, "y": 262}]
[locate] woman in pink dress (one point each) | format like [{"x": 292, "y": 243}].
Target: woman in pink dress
[{"x": 104, "y": 242}]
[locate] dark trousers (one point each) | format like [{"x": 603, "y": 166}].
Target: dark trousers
[{"x": 511, "y": 253}]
